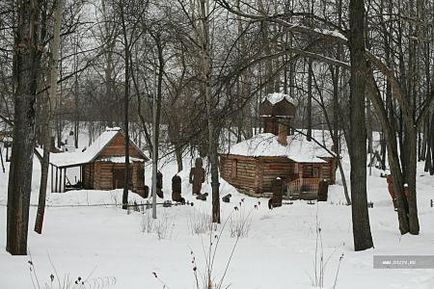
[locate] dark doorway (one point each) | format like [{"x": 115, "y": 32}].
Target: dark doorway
[{"x": 119, "y": 178}]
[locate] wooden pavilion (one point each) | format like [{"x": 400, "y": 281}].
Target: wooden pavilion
[
  {"x": 102, "y": 165},
  {"x": 253, "y": 164}
]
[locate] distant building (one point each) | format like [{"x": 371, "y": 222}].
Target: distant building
[
  {"x": 253, "y": 164},
  {"x": 102, "y": 165}
]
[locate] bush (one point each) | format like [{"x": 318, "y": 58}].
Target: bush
[
  {"x": 161, "y": 227},
  {"x": 320, "y": 262},
  {"x": 54, "y": 281},
  {"x": 199, "y": 223},
  {"x": 241, "y": 220}
]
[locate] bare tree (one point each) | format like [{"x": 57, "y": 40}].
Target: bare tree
[
  {"x": 26, "y": 69},
  {"x": 46, "y": 115},
  {"x": 361, "y": 228}
]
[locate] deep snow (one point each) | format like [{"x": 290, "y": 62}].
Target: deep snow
[{"x": 279, "y": 251}]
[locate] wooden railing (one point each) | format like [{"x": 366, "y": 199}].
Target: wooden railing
[{"x": 299, "y": 185}]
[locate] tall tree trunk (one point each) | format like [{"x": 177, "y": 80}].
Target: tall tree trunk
[
  {"x": 156, "y": 122},
  {"x": 336, "y": 110},
  {"x": 178, "y": 154},
  {"x": 45, "y": 162},
  {"x": 54, "y": 59},
  {"x": 410, "y": 177},
  {"x": 408, "y": 148},
  {"x": 140, "y": 113},
  {"x": 361, "y": 228},
  {"x": 265, "y": 30},
  {"x": 429, "y": 158},
  {"x": 210, "y": 107},
  {"x": 392, "y": 152},
  {"x": 309, "y": 100},
  {"x": 431, "y": 138},
  {"x": 76, "y": 96},
  {"x": 126, "y": 108},
  {"x": 27, "y": 66}
]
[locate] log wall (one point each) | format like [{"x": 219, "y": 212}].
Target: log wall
[
  {"x": 254, "y": 175},
  {"x": 240, "y": 172},
  {"x": 88, "y": 175},
  {"x": 104, "y": 175},
  {"x": 273, "y": 167},
  {"x": 101, "y": 175},
  {"x": 117, "y": 148},
  {"x": 104, "y": 178}
]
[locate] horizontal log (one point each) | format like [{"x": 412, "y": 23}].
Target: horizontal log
[
  {"x": 244, "y": 186},
  {"x": 246, "y": 177},
  {"x": 238, "y": 162},
  {"x": 243, "y": 177},
  {"x": 225, "y": 157}
]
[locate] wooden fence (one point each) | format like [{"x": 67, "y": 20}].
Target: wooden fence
[{"x": 300, "y": 186}]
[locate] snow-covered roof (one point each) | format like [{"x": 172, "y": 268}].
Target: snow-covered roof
[
  {"x": 67, "y": 159},
  {"x": 276, "y": 97},
  {"x": 266, "y": 145},
  {"x": 120, "y": 160}
]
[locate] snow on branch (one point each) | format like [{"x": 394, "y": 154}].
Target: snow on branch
[{"x": 293, "y": 27}]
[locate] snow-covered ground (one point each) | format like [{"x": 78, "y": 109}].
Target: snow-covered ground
[{"x": 112, "y": 249}]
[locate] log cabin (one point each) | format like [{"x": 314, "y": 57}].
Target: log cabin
[
  {"x": 102, "y": 165},
  {"x": 252, "y": 165}
]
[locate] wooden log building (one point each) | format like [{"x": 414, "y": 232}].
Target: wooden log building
[
  {"x": 253, "y": 164},
  {"x": 102, "y": 165}
]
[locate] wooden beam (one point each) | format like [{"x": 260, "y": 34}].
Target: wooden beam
[
  {"x": 64, "y": 180},
  {"x": 52, "y": 177},
  {"x": 60, "y": 180},
  {"x": 59, "y": 176}
]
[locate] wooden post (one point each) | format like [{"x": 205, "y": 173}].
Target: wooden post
[
  {"x": 64, "y": 180},
  {"x": 60, "y": 179},
  {"x": 59, "y": 185},
  {"x": 1, "y": 158},
  {"x": 57, "y": 177},
  {"x": 52, "y": 178}
]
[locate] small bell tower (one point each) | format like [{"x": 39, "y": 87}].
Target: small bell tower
[{"x": 277, "y": 111}]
